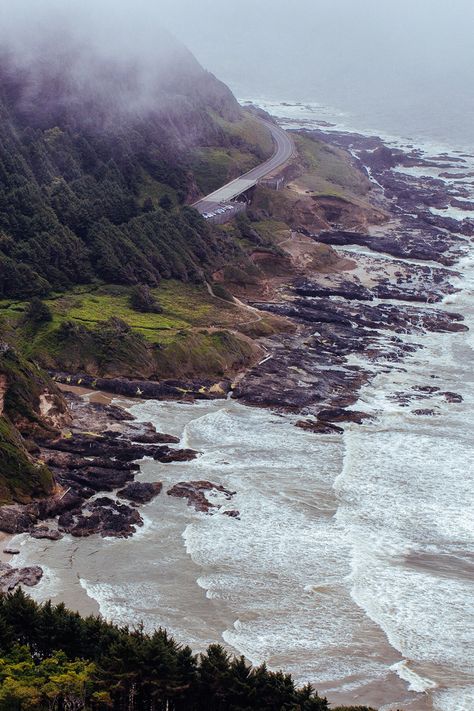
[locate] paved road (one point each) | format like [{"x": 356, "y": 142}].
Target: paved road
[{"x": 284, "y": 148}]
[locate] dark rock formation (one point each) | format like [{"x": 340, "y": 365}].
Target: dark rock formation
[
  {"x": 96, "y": 479},
  {"x": 95, "y": 416},
  {"x": 339, "y": 414},
  {"x": 319, "y": 427},
  {"x": 50, "y": 534},
  {"x": 417, "y": 283},
  {"x": 141, "y": 492},
  {"x": 16, "y": 518},
  {"x": 195, "y": 493},
  {"x": 59, "y": 503},
  {"x": 103, "y": 516},
  {"x": 435, "y": 248},
  {"x": 346, "y": 315},
  {"x": 10, "y": 577},
  {"x": 232, "y": 514},
  {"x": 95, "y": 445},
  {"x": 86, "y": 463},
  {"x": 348, "y": 290},
  {"x": 66, "y": 460},
  {"x": 147, "y": 434},
  {"x": 453, "y": 397},
  {"x": 148, "y": 389},
  {"x": 114, "y": 447}
]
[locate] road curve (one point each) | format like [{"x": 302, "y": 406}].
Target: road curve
[{"x": 284, "y": 149}]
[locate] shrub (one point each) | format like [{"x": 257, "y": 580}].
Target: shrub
[
  {"x": 142, "y": 299},
  {"x": 221, "y": 292},
  {"x": 37, "y": 312}
]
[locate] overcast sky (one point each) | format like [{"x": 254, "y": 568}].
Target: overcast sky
[
  {"x": 267, "y": 38},
  {"x": 403, "y": 66},
  {"x": 281, "y": 35}
]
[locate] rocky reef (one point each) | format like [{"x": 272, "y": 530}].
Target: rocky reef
[
  {"x": 396, "y": 270},
  {"x": 85, "y": 464},
  {"x": 11, "y": 577},
  {"x": 201, "y": 389},
  {"x": 197, "y": 494}
]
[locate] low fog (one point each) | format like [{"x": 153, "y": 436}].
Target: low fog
[
  {"x": 269, "y": 42},
  {"x": 108, "y": 53},
  {"x": 402, "y": 59}
]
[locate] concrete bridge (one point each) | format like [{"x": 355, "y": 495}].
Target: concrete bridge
[{"x": 222, "y": 198}]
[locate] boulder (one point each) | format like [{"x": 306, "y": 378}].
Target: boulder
[
  {"x": 339, "y": 414},
  {"x": 141, "y": 492},
  {"x": 10, "y": 577},
  {"x": 17, "y": 518},
  {"x": 453, "y": 398},
  {"x": 232, "y": 514},
  {"x": 319, "y": 427},
  {"x": 194, "y": 492},
  {"x": 166, "y": 454},
  {"x": 50, "y": 534}
]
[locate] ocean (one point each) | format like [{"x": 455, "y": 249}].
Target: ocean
[{"x": 352, "y": 566}]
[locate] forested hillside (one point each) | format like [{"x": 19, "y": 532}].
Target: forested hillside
[
  {"x": 101, "y": 152},
  {"x": 96, "y": 170}
]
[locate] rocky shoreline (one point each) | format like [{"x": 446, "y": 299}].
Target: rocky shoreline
[
  {"x": 400, "y": 269},
  {"x": 88, "y": 463},
  {"x": 367, "y": 311}
]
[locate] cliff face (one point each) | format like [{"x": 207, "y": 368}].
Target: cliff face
[{"x": 30, "y": 406}]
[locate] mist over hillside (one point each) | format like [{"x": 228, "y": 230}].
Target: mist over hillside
[
  {"x": 100, "y": 71},
  {"x": 100, "y": 120},
  {"x": 400, "y": 66}
]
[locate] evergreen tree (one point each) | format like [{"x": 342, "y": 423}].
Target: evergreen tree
[
  {"x": 52, "y": 658},
  {"x": 166, "y": 202},
  {"x": 37, "y": 312}
]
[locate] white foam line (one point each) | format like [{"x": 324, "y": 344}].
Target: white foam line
[{"x": 415, "y": 681}]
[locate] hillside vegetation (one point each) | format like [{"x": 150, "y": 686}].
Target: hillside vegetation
[
  {"x": 90, "y": 190},
  {"x": 51, "y": 658},
  {"x": 30, "y": 406}
]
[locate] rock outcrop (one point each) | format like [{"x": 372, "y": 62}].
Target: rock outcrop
[
  {"x": 141, "y": 492},
  {"x": 11, "y": 577},
  {"x": 102, "y": 516},
  {"x": 195, "y": 493},
  {"x": 85, "y": 464}
]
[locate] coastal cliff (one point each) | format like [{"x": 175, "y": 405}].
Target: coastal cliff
[{"x": 111, "y": 282}]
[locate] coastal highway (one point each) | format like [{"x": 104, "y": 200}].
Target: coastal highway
[{"x": 284, "y": 148}]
